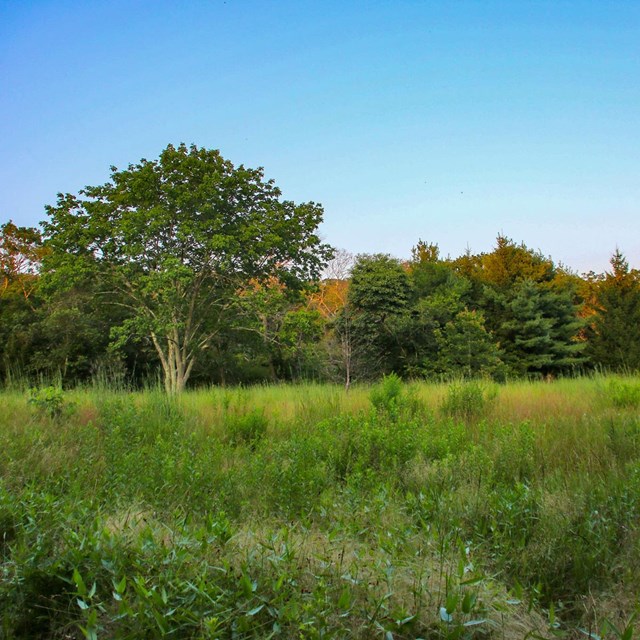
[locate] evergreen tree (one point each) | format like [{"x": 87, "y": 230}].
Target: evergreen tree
[
  {"x": 465, "y": 348},
  {"x": 539, "y": 333},
  {"x": 614, "y": 334}
]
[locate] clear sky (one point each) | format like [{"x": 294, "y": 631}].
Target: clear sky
[{"x": 449, "y": 121}]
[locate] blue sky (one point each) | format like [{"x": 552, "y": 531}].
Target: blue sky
[{"x": 446, "y": 121}]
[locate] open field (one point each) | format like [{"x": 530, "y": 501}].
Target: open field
[{"x": 403, "y": 511}]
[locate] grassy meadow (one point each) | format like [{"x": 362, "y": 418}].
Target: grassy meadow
[{"x": 462, "y": 510}]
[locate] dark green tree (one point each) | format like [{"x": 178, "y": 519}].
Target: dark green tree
[
  {"x": 378, "y": 305},
  {"x": 614, "y": 332},
  {"x": 440, "y": 294},
  {"x": 299, "y": 340},
  {"x": 539, "y": 333},
  {"x": 465, "y": 348}
]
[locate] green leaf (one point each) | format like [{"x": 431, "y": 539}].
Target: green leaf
[
  {"x": 121, "y": 586},
  {"x": 248, "y": 587},
  {"x": 255, "y": 610},
  {"x": 445, "y": 616},
  {"x": 89, "y": 633},
  {"x": 474, "y": 623},
  {"x": 344, "y": 602},
  {"x": 468, "y": 602},
  {"x": 79, "y": 582},
  {"x": 627, "y": 634}
]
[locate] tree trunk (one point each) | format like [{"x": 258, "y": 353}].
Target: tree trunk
[
  {"x": 176, "y": 365},
  {"x": 345, "y": 342}
]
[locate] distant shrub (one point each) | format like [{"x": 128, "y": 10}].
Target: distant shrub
[
  {"x": 49, "y": 401},
  {"x": 624, "y": 395},
  {"x": 387, "y": 395},
  {"x": 248, "y": 428},
  {"x": 467, "y": 400}
]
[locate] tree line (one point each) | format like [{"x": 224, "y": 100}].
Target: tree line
[{"x": 198, "y": 271}]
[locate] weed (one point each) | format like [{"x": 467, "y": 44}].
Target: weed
[
  {"x": 50, "y": 401},
  {"x": 467, "y": 400},
  {"x": 624, "y": 394},
  {"x": 305, "y": 511},
  {"x": 387, "y": 395},
  {"x": 249, "y": 428}
]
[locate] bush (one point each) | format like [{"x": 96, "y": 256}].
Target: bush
[
  {"x": 49, "y": 401},
  {"x": 247, "y": 429},
  {"x": 387, "y": 394},
  {"x": 466, "y": 400}
]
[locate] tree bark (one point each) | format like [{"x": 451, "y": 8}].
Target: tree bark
[{"x": 176, "y": 362}]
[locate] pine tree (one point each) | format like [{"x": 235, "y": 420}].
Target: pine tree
[
  {"x": 614, "y": 335},
  {"x": 539, "y": 332},
  {"x": 466, "y": 348}
]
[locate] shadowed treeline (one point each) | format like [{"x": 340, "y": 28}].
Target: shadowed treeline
[{"x": 194, "y": 270}]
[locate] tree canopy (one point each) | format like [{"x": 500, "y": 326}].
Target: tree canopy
[
  {"x": 198, "y": 268},
  {"x": 172, "y": 238},
  {"x": 614, "y": 335}
]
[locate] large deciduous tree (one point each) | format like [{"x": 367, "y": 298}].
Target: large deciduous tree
[
  {"x": 21, "y": 253},
  {"x": 176, "y": 238},
  {"x": 20, "y": 256}
]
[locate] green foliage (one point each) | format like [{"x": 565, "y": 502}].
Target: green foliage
[
  {"x": 613, "y": 340},
  {"x": 220, "y": 298},
  {"x": 624, "y": 394},
  {"x": 387, "y": 394},
  {"x": 50, "y": 401},
  {"x": 176, "y": 238},
  {"x": 366, "y": 447},
  {"x": 247, "y": 428},
  {"x": 510, "y": 263},
  {"x": 465, "y": 348},
  {"x": 537, "y": 329},
  {"x": 139, "y": 515},
  {"x": 379, "y": 285},
  {"x": 467, "y": 400},
  {"x": 379, "y": 299}
]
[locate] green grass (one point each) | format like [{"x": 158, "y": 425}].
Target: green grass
[{"x": 403, "y": 511}]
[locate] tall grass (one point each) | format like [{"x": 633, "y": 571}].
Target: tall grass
[{"x": 458, "y": 510}]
